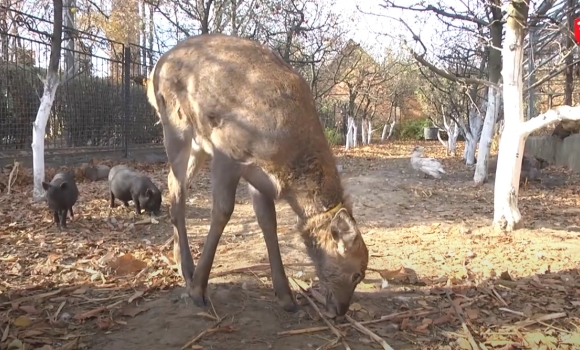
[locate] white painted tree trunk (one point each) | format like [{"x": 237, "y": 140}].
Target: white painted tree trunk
[
  {"x": 391, "y": 130},
  {"x": 384, "y": 133},
  {"x": 511, "y": 145},
  {"x": 472, "y": 136},
  {"x": 369, "y": 132},
  {"x": 453, "y": 133},
  {"x": 39, "y": 131},
  {"x": 354, "y": 134},
  {"x": 491, "y": 115},
  {"x": 349, "y": 134},
  {"x": 363, "y": 131}
]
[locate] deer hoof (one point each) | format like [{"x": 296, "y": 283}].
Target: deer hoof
[
  {"x": 198, "y": 297},
  {"x": 287, "y": 303}
]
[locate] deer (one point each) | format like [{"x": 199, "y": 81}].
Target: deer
[{"x": 237, "y": 103}]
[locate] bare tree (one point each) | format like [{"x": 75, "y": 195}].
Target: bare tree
[{"x": 50, "y": 86}]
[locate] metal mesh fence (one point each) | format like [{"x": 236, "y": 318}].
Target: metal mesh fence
[{"x": 100, "y": 104}]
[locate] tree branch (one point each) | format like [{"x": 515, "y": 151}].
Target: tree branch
[{"x": 552, "y": 116}]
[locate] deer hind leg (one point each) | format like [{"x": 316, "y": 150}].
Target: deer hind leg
[
  {"x": 196, "y": 160},
  {"x": 225, "y": 176},
  {"x": 177, "y": 142}
]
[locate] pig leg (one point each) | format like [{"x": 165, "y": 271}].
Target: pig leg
[
  {"x": 137, "y": 204},
  {"x": 63, "y": 218},
  {"x": 71, "y": 213},
  {"x": 225, "y": 176},
  {"x": 56, "y": 218},
  {"x": 265, "y": 210},
  {"x": 112, "y": 200}
]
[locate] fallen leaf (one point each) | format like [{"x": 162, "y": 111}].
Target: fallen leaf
[
  {"x": 443, "y": 319},
  {"x": 29, "y": 309},
  {"x": 22, "y": 321},
  {"x": 133, "y": 311},
  {"x": 79, "y": 291},
  {"x": 572, "y": 339},
  {"x": 32, "y": 333},
  {"x": 472, "y": 313},
  {"x": 137, "y": 294},
  {"x": 464, "y": 344},
  {"x": 89, "y": 314},
  {"x": 15, "y": 345},
  {"x": 355, "y": 307},
  {"x": 104, "y": 323}
]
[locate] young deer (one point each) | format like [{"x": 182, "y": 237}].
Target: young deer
[{"x": 239, "y": 103}]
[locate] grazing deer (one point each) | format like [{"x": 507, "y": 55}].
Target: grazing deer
[{"x": 239, "y": 103}]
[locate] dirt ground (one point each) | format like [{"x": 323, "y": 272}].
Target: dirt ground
[{"x": 440, "y": 277}]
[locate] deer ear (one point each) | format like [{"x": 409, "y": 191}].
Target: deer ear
[{"x": 343, "y": 229}]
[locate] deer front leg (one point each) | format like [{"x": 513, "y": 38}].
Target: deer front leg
[
  {"x": 265, "y": 210},
  {"x": 225, "y": 176}
]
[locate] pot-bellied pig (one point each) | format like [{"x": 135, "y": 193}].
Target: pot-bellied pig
[
  {"x": 61, "y": 194},
  {"x": 126, "y": 184}
]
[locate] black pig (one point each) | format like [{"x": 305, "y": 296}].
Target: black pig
[
  {"x": 61, "y": 194},
  {"x": 127, "y": 184}
]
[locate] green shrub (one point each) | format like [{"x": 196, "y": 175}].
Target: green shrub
[
  {"x": 413, "y": 129},
  {"x": 333, "y": 136}
]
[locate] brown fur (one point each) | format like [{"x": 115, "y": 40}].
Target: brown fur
[{"x": 239, "y": 103}]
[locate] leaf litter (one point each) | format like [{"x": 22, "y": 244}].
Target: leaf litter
[{"x": 439, "y": 277}]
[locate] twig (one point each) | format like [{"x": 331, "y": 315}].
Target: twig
[
  {"x": 32, "y": 297},
  {"x": 542, "y": 318},
  {"x": 257, "y": 267},
  {"x": 496, "y": 294},
  {"x": 406, "y": 314},
  {"x": 315, "y": 307},
  {"x": 331, "y": 344},
  {"x": 505, "y": 309},
  {"x": 463, "y": 324},
  {"x": 14, "y": 173},
  {"x": 210, "y": 330},
  {"x": 355, "y": 323},
  {"x": 366, "y": 331}
]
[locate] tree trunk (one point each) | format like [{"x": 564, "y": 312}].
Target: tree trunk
[
  {"x": 491, "y": 114},
  {"x": 511, "y": 147},
  {"x": 472, "y": 136},
  {"x": 363, "y": 131},
  {"x": 50, "y": 86},
  {"x": 69, "y": 22},
  {"x": 452, "y": 139},
  {"x": 369, "y": 132},
  {"x": 494, "y": 67},
  {"x": 384, "y": 133}
]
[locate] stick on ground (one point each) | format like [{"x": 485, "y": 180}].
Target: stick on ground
[
  {"x": 463, "y": 324},
  {"x": 210, "y": 330},
  {"x": 313, "y": 304},
  {"x": 368, "y": 332}
]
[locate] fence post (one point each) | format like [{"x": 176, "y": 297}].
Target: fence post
[{"x": 127, "y": 97}]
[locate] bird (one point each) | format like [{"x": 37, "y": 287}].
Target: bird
[{"x": 429, "y": 166}]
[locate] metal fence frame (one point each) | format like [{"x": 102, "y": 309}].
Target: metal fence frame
[{"x": 112, "y": 100}]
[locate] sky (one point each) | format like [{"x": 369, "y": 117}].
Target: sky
[{"x": 374, "y": 27}]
